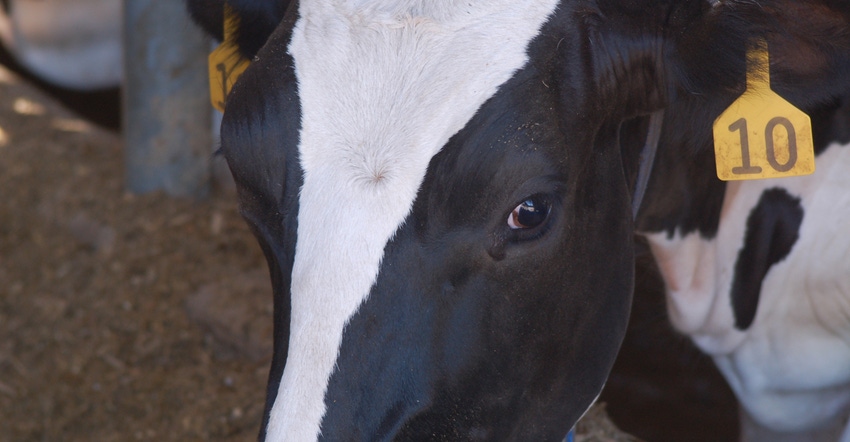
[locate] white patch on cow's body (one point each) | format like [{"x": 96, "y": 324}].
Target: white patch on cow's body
[
  {"x": 383, "y": 85},
  {"x": 791, "y": 368}
]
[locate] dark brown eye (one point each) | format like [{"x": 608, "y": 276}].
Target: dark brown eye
[{"x": 530, "y": 214}]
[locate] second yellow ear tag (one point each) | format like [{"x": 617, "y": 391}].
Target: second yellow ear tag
[
  {"x": 225, "y": 62},
  {"x": 761, "y": 135}
]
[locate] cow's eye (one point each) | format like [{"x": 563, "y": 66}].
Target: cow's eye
[{"x": 530, "y": 214}]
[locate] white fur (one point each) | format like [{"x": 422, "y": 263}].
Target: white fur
[
  {"x": 383, "y": 85},
  {"x": 791, "y": 368}
]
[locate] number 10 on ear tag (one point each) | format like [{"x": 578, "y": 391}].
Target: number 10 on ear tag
[{"x": 761, "y": 135}]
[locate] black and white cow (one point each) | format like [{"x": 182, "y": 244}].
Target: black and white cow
[
  {"x": 443, "y": 191},
  {"x": 758, "y": 275}
]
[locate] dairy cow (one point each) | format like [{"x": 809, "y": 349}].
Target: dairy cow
[
  {"x": 758, "y": 275},
  {"x": 445, "y": 193}
]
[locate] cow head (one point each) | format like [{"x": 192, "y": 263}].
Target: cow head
[
  {"x": 755, "y": 274},
  {"x": 443, "y": 194},
  {"x": 689, "y": 214}
]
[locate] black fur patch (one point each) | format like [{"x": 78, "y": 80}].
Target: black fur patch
[
  {"x": 257, "y": 20},
  {"x": 772, "y": 229}
]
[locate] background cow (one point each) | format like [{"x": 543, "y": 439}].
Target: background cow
[
  {"x": 444, "y": 195},
  {"x": 70, "y": 43},
  {"x": 757, "y": 275}
]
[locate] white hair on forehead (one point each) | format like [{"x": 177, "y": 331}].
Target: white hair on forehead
[{"x": 383, "y": 85}]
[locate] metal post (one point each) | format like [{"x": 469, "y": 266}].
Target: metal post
[{"x": 166, "y": 100}]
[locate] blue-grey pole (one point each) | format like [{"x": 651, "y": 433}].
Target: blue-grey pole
[{"x": 166, "y": 100}]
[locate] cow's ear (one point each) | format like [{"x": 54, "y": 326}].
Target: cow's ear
[
  {"x": 209, "y": 15},
  {"x": 257, "y": 19},
  {"x": 808, "y": 43}
]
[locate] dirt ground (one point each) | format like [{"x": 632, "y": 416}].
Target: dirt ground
[
  {"x": 125, "y": 317},
  {"x": 95, "y": 340}
]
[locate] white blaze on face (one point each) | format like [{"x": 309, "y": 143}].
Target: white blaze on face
[{"x": 383, "y": 85}]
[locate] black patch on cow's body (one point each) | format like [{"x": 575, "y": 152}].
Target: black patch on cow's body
[{"x": 772, "y": 229}]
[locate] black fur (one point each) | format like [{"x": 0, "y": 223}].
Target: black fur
[
  {"x": 209, "y": 15},
  {"x": 264, "y": 112},
  {"x": 257, "y": 20},
  {"x": 772, "y": 229}
]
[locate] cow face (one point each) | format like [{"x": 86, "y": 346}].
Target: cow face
[
  {"x": 448, "y": 231},
  {"x": 441, "y": 191},
  {"x": 756, "y": 277}
]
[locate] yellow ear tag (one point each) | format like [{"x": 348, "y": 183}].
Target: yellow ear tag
[
  {"x": 225, "y": 62},
  {"x": 761, "y": 135}
]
